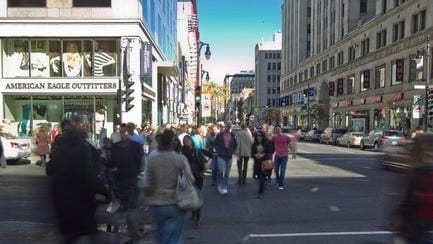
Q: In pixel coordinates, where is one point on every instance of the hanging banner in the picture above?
(146, 63)
(331, 88)
(340, 86)
(206, 105)
(399, 70)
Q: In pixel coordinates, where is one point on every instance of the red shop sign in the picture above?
(398, 96)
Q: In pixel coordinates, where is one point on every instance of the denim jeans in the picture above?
(170, 221)
(224, 167)
(280, 168)
(214, 168)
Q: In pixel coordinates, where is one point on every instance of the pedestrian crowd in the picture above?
(139, 166)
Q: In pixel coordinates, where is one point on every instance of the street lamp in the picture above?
(207, 55)
(425, 53)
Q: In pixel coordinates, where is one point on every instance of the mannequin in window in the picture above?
(101, 60)
(72, 61)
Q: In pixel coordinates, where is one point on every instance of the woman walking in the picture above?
(260, 151)
(160, 174)
(43, 145)
(196, 162)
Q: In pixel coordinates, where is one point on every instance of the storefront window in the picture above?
(57, 58)
(26, 113)
(39, 60)
(54, 51)
(380, 77)
(16, 58)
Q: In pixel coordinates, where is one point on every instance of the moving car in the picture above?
(330, 135)
(379, 137)
(350, 139)
(15, 148)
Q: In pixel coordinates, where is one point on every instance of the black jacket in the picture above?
(74, 185)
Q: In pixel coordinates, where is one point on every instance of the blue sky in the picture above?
(233, 28)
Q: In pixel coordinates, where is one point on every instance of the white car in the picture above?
(14, 148)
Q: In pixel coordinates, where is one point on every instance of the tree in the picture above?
(319, 113)
(240, 108)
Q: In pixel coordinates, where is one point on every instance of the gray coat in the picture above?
(244, 141)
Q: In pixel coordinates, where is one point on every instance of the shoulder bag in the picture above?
(267, 165)
(187, 196)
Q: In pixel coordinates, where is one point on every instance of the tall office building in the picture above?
(267, 74)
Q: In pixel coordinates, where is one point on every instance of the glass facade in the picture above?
(160, 18)
(60, 58)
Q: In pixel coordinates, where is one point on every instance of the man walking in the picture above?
(244, 141)
(225, 145)
(126, 157)
(281, 144)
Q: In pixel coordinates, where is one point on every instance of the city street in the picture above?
(332, 195)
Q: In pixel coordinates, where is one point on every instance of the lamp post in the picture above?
(207, 55)
(421, 54)
(307, 97)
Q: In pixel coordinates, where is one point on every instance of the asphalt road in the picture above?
(332, 195)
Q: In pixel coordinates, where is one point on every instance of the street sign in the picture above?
(419, 87)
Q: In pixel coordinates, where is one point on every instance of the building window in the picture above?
(278, 66)
(318, 69)
(351, 53)
(384, 6)
(380, 77)
(351, 85)
(311, 71)
(365, 46)
(331, 62)
(306, 73)
(418, 21)
(91, 3)
(266, 55)
(324, 65)
(301, 78)
(416, 69)
(269, 78)
(398, 31)
(398, 2)
(269, 66)
(340, 58)
(363, 7)
(381, 39)
(27, 3)
(274, 66)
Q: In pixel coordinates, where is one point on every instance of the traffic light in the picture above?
(127, 95)
(198, 96)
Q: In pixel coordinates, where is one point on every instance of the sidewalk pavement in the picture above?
(45, 233)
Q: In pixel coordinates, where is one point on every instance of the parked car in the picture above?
(313, 135)
(378, 137)
(15, 148)
(350, 139)
(301, 133)
(330, 135)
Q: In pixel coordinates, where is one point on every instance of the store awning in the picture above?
(168, 68)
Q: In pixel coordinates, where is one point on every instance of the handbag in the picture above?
(187, 196)
(267, 165)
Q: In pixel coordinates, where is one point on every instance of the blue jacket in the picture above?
(221, 149)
